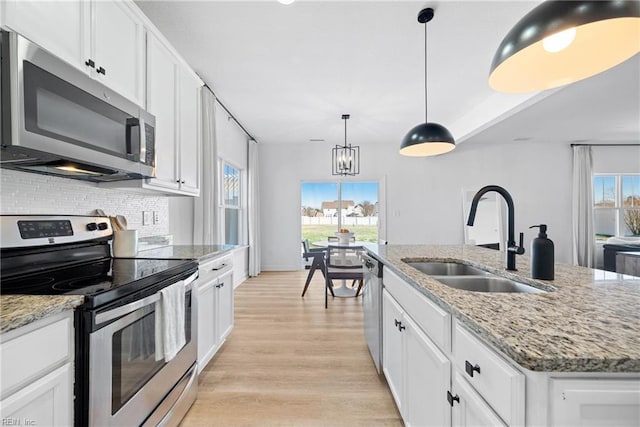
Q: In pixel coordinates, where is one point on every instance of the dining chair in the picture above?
(318, 263)
(306, 249)
(342, 264)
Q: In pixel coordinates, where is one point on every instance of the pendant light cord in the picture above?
(426, 103)
(345, 131)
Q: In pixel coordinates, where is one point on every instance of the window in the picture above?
(231, 205)
(328, 206)
(616, 205)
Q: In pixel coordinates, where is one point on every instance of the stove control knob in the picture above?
(92, 226)
(102, 226)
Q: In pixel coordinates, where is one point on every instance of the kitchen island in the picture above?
(550, 358)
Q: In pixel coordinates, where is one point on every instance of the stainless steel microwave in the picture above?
(58, 120)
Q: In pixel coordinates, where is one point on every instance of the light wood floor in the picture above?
(290, 362)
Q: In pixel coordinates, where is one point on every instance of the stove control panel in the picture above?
(41, 228)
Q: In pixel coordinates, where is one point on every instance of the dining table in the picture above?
(343, 291)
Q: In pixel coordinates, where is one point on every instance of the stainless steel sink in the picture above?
(446, 269)
(487, 284)
(469, 278)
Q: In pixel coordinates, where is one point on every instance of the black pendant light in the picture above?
(345, 159)
(427, 139)
(561, 42)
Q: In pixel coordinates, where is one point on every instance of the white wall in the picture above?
(424, 195)
(29, 193)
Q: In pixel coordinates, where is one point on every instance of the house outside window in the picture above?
(616, 205)
(231, 204)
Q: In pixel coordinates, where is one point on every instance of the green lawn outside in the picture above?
(315, 233)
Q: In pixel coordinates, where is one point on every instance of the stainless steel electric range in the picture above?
(119, 378)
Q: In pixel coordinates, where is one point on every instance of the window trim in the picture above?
(222, 205)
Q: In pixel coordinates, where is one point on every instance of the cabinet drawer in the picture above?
(213, 268)
(433, 320)
(500, 384)
(43, 347)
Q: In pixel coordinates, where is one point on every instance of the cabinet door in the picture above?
(189, 132)
(162, 75)
(207, 341)
(580, 402)
(225, 306)
(392, 351)
(45, 402)
(428, 379)
(471, 409)
(62, 28)
(118, 48)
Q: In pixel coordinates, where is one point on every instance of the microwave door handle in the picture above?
(133, 138)
(136, 305)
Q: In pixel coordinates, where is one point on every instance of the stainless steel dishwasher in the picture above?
(372, 302)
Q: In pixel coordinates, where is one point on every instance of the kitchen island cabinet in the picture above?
(564, 357)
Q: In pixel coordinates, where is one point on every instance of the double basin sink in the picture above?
(469, 278)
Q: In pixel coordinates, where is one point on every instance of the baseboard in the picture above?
(275, 267)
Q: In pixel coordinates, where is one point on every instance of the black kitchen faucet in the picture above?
(512, 249)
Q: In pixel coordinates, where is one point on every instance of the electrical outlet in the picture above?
(156, 217)
(147, 217)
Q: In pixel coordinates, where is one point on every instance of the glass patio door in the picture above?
(327, 207)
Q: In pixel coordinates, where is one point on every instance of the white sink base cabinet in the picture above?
(425, 364)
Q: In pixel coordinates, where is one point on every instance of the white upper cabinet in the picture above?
(162, 95)
(190, 132)
(173, 96)
(59, 27)
(102, 38)
(118, 48)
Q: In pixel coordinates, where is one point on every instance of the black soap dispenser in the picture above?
(542, 255)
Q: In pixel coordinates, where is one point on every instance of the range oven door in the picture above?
(126, 382)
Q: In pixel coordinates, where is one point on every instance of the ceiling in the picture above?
(288, 73)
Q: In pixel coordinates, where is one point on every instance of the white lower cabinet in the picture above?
(595, 402)
(428, 372)
(215, 308)
(441, 373)
(37, 373)
(416, 371)
(45, 402)
(469, 409)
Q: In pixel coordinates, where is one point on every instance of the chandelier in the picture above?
(345, 158)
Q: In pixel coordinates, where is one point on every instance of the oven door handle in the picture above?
(136, 305)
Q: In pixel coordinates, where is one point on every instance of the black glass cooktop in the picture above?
(100, 281)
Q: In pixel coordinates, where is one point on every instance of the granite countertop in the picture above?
(199, 252)
(20, 310)
(588, 322)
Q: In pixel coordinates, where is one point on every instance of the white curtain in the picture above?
(583, 235)
(253, 209)
(205, 230)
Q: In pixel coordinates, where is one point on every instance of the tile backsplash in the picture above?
(27, 193)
